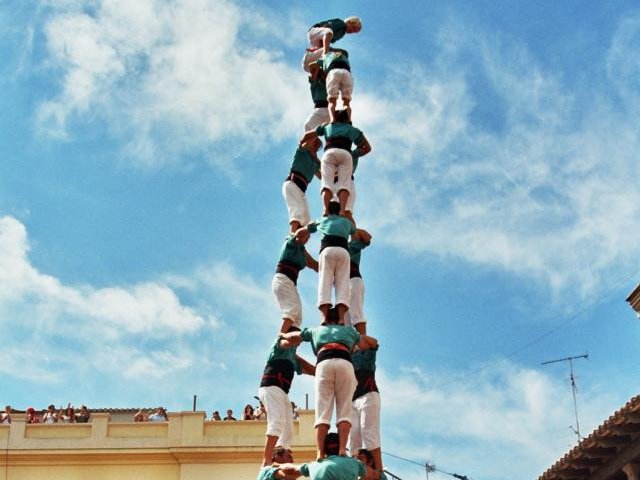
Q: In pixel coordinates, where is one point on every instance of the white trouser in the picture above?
(351, 201)
(311, 57)
(315, 35)
(336, 167)
(334, 380)
(288, 298)
(319, 116)
(339, 82)
(356, 311)
(365, 423)
(279, 414)
(333, 269)
(296, 201)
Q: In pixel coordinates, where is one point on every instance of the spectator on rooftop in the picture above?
(140, 416)
(215, 416)
(83, 415)
(67, 417)
(6, 416)
(32, 415)
(248, 412)
(229, 416)
(160, 415)
(50, 416)
(260, 412)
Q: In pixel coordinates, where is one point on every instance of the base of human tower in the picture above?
(187, 447)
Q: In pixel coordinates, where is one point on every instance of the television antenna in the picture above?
(574, 388)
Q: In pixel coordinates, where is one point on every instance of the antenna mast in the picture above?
(574, 388)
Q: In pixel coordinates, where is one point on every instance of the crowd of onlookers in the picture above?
(249, 413)
(72, 415)
(50, 415)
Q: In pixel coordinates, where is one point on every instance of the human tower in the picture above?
(345, 355)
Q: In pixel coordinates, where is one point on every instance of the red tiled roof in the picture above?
(606, 451)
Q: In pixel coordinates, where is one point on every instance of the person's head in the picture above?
(7, 408)
(31, 411)
(229, 413)
(332, 316)
(248, 408)
(354, 25)
(83, 409)
(365, 457)
(51, 408)
(334, 208)
(332, 444)
(343, 116)
(282, 455)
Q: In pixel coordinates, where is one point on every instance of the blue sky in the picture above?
(143, 145)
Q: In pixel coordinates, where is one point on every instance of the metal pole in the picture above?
(306, 401)
(195, 401)
(574, 388)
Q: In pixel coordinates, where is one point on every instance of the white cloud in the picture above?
(545, 187)
(465, 424)
(60, 322)
(205, 72)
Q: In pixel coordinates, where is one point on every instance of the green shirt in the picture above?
(355, 157)
(333, 225)
(337, 26)
(305, 164)
(355, 247)
(330, 57)
(334, 467)
(332, 333)
(344, 130)
(318, 87)
(267, 473)
(364, 359)
(279, 353)
(293, 252)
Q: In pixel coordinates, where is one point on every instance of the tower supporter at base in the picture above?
(281, 455)
(334, 466)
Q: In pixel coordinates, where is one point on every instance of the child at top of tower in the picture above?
(326, 32)
(339, 82)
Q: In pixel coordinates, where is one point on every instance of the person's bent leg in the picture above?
(321, 433)
(343, 433)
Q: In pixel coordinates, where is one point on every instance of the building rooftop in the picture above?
(606, 451)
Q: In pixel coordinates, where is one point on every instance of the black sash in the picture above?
(321, 103)
(338, 142)
(354, 270)
(333, 241)
(278, 373)
(299, 180)
(327, 354)
(339, 64)
(366, 383)
(289, 269)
